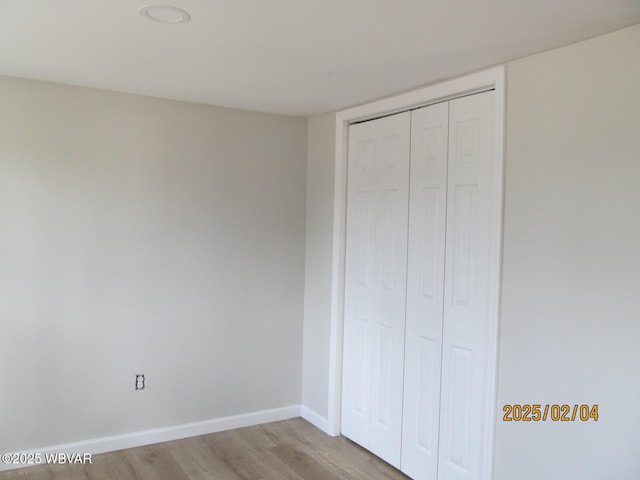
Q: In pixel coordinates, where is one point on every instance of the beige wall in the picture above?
(144, 236)
(319, 231)
(570, 327)
(570, 330)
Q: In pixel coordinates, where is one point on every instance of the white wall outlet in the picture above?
(140, 382)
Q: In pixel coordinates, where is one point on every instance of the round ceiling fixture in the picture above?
(165, 14)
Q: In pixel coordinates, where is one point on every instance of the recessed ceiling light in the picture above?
(165, 14)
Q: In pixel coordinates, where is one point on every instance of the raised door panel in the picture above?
(375, 284)
(471, 207)
(425, 290)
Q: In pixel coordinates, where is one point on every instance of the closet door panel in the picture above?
(375, 284)
(359, 305)
(470, 209)
(425, 290)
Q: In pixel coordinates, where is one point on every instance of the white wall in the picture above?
(318, 258)
(570, 327)
(144, 236)
(571, 283)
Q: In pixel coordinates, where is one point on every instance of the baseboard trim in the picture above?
(315, 419)
(167, 434)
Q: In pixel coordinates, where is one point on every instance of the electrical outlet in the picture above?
(139, 382)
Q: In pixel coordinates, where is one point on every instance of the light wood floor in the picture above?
(287, 450)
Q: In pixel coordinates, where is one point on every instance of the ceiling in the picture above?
(296, 57)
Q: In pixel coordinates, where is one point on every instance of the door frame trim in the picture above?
(494, 78)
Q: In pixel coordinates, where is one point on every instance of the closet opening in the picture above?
(416, 276)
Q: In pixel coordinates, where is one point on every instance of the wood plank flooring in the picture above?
(287, 450)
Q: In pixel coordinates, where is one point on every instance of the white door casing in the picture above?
(492, 79)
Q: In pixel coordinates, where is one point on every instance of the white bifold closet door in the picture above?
(452, 204)
(422, 209)
(425, 290)
(375, 284)
(473, 218)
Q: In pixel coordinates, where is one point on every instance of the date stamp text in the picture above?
(555, 413)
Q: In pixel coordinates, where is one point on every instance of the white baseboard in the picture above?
(159, 435)
(315, 419)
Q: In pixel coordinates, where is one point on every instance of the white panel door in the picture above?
(375, 284)
(425, 290)
(471, 214)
